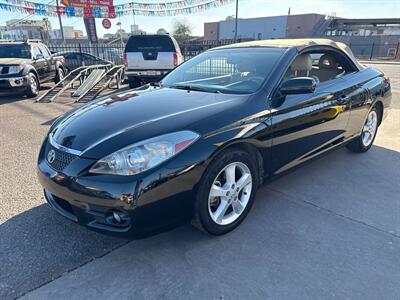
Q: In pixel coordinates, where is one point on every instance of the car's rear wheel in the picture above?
(226, 192)
(60, 75)
(32, 90)
(364, 142)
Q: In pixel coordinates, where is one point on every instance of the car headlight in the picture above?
(144, 155)
(14, 69)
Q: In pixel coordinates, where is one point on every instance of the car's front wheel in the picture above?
(32, 90)
(364, 142)
(226, 192)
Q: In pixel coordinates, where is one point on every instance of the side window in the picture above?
(320, 65)
(35, 51)
(70, 56)
(45, 51)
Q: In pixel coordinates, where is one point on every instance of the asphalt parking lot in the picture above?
(329, 230)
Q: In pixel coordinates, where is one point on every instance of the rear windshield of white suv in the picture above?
(159, 43)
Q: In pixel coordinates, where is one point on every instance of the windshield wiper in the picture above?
(197, 88)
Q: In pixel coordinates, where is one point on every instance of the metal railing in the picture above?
(114, 53)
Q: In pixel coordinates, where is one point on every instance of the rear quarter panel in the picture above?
(374, 84)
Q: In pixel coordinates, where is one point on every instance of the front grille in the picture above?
(5, 84)
(4, 70)
(62, 159)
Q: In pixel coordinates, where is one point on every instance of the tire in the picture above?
(60, 75)
(368, 133)
(206, 207)
(134, 83)
(32, 90)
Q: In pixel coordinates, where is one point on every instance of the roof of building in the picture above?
(299, 44)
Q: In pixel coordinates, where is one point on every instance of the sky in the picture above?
(247, 9)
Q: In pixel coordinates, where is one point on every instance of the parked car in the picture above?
(148, 57)
(76, 59)
(24, 66)
(197, 145)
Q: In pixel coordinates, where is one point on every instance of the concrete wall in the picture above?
(255, 28)
(211, 31)
(300, 26)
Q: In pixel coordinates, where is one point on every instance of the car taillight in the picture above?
(176, 59)
(125, 60)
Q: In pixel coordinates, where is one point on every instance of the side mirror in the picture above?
(298, 85)
(39, 56)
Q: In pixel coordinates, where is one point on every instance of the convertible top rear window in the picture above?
(236, 70)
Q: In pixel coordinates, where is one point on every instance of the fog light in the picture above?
(117, 217)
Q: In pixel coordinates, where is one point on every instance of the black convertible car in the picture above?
(196, 145)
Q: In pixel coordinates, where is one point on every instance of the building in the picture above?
(288, 26)
(26, 29)
(69, 33)
(136, 30)
(366, 37)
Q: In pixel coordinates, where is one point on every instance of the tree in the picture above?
(181, 29)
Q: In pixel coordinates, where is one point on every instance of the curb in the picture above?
(380, 62)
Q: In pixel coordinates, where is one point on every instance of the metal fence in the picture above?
(114, 53)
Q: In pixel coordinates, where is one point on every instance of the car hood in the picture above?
(13, 61)
(107, 125)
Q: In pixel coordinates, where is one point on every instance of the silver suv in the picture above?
(148, 57)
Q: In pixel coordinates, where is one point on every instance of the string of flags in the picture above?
(175, 8)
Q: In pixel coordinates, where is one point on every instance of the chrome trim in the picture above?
(62, 148)
(12, 80)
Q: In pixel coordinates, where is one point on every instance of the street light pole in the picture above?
(61, 25)
(236, 19)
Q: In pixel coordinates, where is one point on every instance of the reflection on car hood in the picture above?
(137, 115)
(13, 61)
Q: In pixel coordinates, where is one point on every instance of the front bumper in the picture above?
(13, 82)
(146, 205)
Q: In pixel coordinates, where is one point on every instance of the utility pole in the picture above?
(236, 19)
(61, 25)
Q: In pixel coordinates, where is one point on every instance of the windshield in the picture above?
(15, 51)
(235, 70)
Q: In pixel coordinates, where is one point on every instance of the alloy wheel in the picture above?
(60, 74)
(369, 129)
(33, 83)
(230, 193)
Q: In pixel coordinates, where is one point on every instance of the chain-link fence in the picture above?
(114, 53)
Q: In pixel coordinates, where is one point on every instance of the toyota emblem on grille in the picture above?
(51, 156)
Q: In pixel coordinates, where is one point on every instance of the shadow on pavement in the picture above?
(288, 246)
(38, 245)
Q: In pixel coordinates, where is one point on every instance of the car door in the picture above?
(39, 63)
(51, 65)
(73, 60)
(90, 60)
(305, 125)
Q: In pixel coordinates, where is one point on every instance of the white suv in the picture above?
(148, 57)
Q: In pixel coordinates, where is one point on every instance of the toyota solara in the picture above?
(196, 145)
